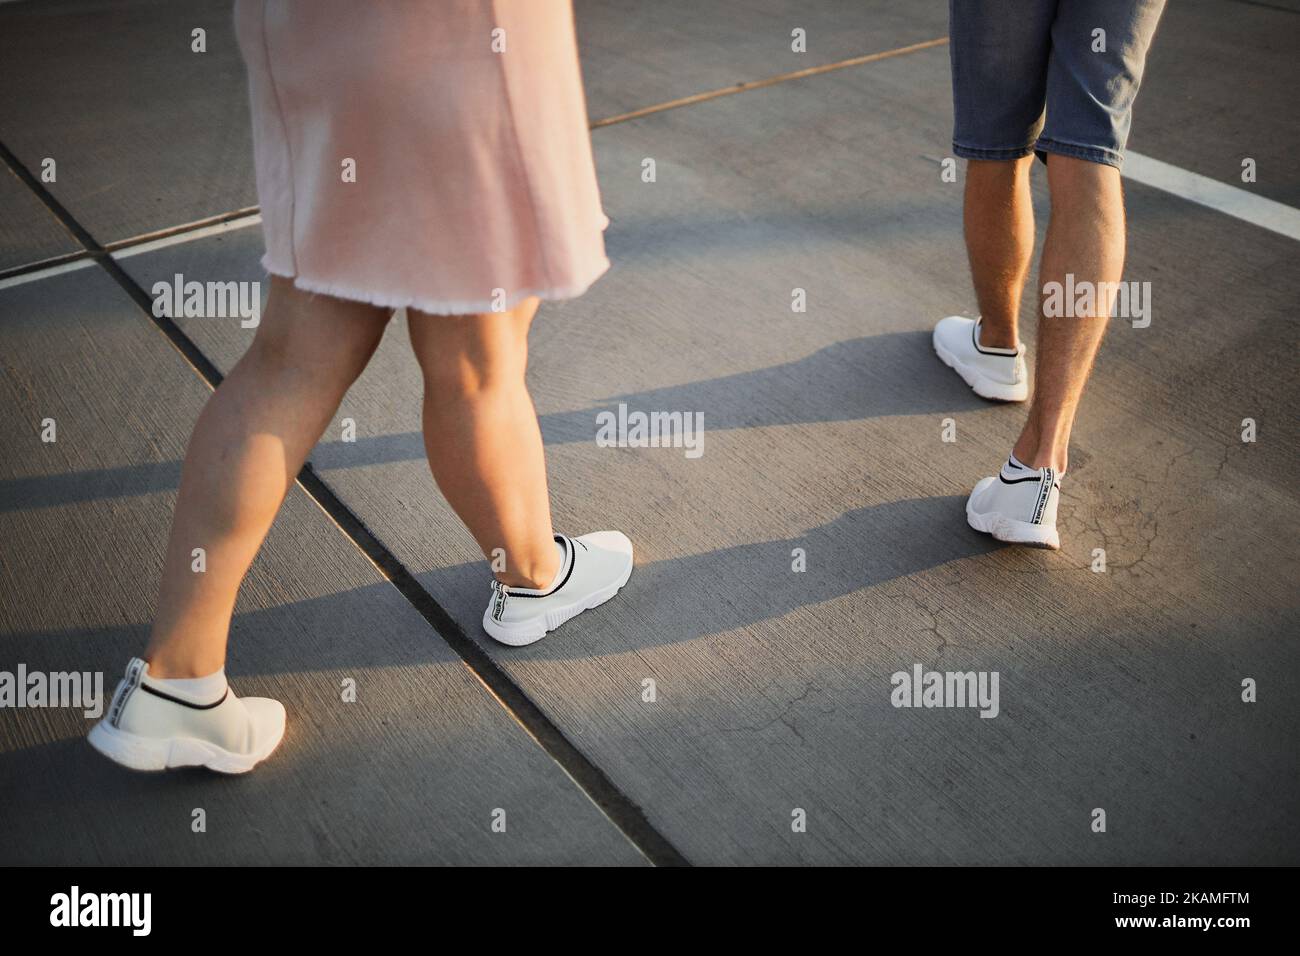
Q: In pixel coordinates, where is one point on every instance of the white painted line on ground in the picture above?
(46, 273)
(1231, 200)
(216, 229)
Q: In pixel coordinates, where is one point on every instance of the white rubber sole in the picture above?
(531, 631)
(158, 753)
(982, 385)
(1009, 529)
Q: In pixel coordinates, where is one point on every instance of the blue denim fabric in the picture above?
(1026, 77)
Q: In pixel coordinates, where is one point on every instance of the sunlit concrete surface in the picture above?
(1119, 690)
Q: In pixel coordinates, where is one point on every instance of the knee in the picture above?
(319, 339)
(1081, 183)
(335, 364)
(999, 170)
(997, 185)
(467, 359)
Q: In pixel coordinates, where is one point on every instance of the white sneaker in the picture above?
(147, 728)
(1018, 505)
(998, 374)
(592, 570)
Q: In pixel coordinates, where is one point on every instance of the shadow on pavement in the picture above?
(870, 377)
(685, 598)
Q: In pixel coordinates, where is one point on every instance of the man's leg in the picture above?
(998, 214)
(1085, 238)
(1099, 51)
(1000, 50)
(1098, 55)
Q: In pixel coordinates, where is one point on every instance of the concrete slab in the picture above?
(1195, 109)
(412, 772)
(28, 232)
(138, 85)
(1119, 690)
(145, 133)
(638, 54)
(1217, 91)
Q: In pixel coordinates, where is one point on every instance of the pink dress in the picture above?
(423, 153)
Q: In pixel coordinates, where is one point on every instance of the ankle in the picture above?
(1041, 455)
(997, 335)
(164, 666)
(535, 573)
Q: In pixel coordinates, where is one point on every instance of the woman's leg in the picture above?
(248, 446)
(482, 437)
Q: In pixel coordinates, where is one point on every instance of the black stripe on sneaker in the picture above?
(975, 341)
(1016, 481)
(185, 703)
(570, 556)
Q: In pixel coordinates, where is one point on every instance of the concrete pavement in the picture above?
(823, 436)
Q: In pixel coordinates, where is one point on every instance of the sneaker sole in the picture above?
(1012, 531)
(154, 753)
(982, 385)
(532, 631)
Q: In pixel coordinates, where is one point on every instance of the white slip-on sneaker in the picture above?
(148, 728)
(592, 570)
(997, 374)
(1017, 505)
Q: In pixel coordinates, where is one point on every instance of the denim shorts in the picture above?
(1047, 76)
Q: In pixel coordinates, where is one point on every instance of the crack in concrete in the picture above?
(784, 717)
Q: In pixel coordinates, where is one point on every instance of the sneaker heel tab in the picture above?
(499, 594)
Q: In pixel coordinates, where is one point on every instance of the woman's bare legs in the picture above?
(248, 445)
(482, 437)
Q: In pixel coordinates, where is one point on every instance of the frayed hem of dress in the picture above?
(436, 307)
